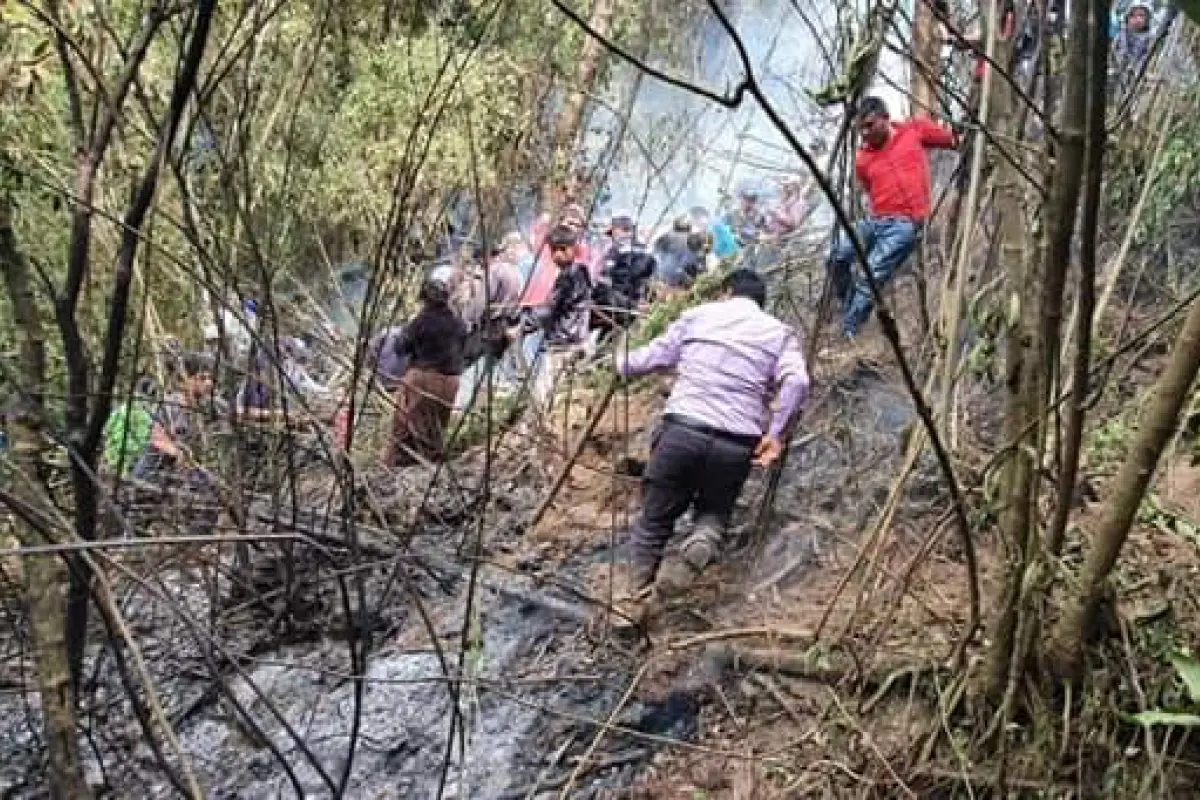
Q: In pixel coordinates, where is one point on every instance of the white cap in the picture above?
(443, 273)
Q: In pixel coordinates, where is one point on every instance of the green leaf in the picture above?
(1192, 9)
(1189, 670)
(1178, 719)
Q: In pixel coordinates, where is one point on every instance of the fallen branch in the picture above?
(741, 633)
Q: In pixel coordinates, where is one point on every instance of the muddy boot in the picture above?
(698, 551)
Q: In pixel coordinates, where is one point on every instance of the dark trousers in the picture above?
(688, 466)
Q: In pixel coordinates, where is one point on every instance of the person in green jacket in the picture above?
(128, 428)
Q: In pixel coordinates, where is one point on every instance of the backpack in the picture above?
(127, 435)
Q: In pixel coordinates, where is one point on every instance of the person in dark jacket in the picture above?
(628, 268)
(565, 320)
(677, 262)
(433, 344)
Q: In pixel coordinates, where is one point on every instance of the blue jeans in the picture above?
(889, 241)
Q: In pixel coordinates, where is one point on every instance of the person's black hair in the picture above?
(562, 236)
(747, 283)
(870, 106)
(434, 293)
(194, 364)
(146, 386)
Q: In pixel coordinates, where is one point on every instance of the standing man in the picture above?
(677, 264)
(731, 360)
(627, 269)
(893, 169)
(565, 319)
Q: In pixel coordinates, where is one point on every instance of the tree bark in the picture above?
(1158, 426)
(1039, 355)
(45, 576)
(570, 119)
(926, 55)
(1096, 142)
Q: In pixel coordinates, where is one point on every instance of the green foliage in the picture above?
(662, 314)
(400, 102)
(1175, 176)
(1187, 669)
(1108, 443)
(1177, 719)
(1191, 8)
(1189, 672)
(1152, 512)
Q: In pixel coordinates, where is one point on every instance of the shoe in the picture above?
(698, 552)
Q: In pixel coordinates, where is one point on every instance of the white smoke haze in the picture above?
(681, 150)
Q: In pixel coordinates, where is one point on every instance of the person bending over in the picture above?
(731, 359)
(433, 344)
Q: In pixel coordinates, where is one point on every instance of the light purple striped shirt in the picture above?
(731, 359)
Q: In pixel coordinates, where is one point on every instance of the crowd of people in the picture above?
(740, 374)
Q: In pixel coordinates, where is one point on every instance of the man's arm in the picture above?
(791, 375)
(661, 354)
(933, 135)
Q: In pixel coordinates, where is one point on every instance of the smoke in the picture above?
(679, 150)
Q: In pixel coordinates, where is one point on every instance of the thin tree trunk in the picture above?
(1155, 431)
(86, 429)
(1018, 471)
(926, 55)
(570, 120)
(1096, 136)
(1039, 363)
(956, 279)
(45, 576)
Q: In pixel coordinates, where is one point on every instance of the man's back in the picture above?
(675, 263)
(729, 353)
(628, 267)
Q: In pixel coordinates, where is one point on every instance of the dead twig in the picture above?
(741, 633)
(633, 684)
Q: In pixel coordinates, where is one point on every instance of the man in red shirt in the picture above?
(893, 169)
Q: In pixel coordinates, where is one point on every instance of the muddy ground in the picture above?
(489, 663)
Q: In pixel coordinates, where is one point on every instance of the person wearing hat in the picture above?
(433, 344)
(748, 221)
(627, 269)
(1131, 47)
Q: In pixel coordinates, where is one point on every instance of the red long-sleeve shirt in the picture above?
(896, 176)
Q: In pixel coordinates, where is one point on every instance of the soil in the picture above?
(556, 698)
